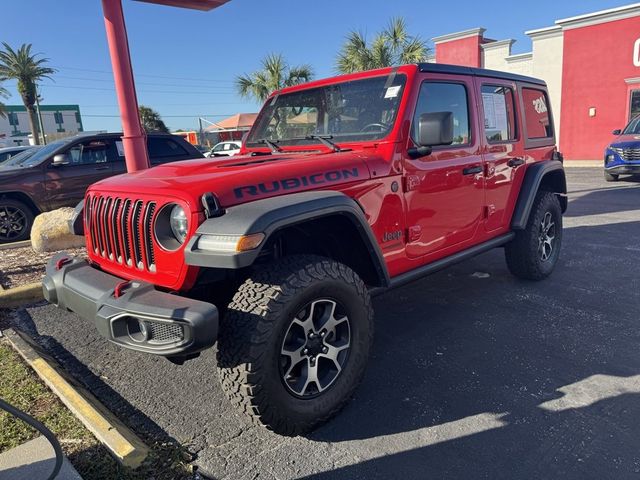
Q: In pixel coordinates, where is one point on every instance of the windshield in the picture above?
(34, 156)
(633, 127)
(359, 110)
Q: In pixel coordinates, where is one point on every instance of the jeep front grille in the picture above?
(628, 154)
(121, 230)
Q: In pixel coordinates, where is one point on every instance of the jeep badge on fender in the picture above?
(274, 254)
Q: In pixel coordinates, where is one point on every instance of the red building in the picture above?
(590, 62)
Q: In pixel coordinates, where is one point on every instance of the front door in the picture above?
(504, 153)
(87, 162)
(445, 190)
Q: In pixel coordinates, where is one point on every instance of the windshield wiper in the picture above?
(325, 140)
(271, 144)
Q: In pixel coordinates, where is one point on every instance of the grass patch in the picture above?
(21, 387)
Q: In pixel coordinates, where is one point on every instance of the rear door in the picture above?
(89, 161)
(503, 148)
(445, 190)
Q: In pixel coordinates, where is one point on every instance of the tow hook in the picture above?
(119, 290)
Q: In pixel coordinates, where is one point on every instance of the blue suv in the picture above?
(623, 155)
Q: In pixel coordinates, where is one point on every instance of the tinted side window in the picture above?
(499, 113)
(91, 152)
(445, 97)
(536, 113)
(164, 147)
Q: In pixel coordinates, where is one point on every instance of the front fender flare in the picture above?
(272, 214)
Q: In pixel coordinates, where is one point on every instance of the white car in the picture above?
(224, 149)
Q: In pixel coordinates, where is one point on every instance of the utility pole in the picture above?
(201, 139)
(40, 124)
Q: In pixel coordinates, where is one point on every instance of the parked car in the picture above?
(224, 149)
(622, 156)
(274, 254)
(8, 152)
(58, 174)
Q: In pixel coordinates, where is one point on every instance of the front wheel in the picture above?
(534, 252)
(295, 341)
(16, 220)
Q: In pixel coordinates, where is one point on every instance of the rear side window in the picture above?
(445, 97)
(164, 147)
(536, 113)
(499, 113)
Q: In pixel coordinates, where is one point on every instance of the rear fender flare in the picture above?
(549, 174)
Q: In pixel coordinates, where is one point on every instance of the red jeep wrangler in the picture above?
(344, 188)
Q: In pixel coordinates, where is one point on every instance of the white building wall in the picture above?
(548, 49)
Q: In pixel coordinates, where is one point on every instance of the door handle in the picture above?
(472, 170)
(515, 162)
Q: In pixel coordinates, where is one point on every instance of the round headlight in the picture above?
(179, 223)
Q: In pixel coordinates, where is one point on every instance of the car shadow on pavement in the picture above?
(606, 200)
(499, 378)
(77, 372)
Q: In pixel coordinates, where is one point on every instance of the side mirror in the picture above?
(617, 131)
(61, 159)
(435, 129)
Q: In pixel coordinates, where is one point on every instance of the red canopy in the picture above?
(195, 4)
(239, 121)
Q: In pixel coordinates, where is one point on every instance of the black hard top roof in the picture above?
(479, 72)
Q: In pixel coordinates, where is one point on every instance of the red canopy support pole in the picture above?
(134, 138)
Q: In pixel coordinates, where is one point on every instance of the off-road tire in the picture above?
(523, 252)
(252, 332)
(25, 214)
(611, 177)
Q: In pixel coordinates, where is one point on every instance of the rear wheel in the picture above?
(610, 177)
(16, 220)
(295, 342)
(534, 252)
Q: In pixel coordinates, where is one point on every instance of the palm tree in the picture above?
(392, 46)
(274, 75)
(151, 120)
(27, 69)
(3, 94)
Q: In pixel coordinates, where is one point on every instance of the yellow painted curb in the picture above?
(123, 444)
(14, 297)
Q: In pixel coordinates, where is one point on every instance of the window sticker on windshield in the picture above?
(392, 92)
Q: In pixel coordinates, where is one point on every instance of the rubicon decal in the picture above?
(293, 183)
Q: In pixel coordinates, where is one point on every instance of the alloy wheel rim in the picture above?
(13, 221)
(315, 348)
(546, 237)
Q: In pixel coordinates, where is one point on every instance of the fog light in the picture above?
(610, 158)
(137, 330)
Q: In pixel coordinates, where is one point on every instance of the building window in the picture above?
(634, 111)
(536, 113)
(499, 113)
(13, 119)
(445, 97)
(78, 120)
(58, 118)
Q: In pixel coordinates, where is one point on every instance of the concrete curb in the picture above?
(9, 246)
(583, 163)
(22, 295)
(124, 445)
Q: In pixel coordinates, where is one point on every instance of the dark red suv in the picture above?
(344, 188)
(58, 174)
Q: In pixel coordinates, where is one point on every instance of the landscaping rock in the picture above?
(50, 232)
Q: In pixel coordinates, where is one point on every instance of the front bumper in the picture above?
(629, 168)
(133, 314)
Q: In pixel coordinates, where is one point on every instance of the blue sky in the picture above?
(185, 61)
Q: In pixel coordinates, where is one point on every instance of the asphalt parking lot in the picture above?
(474, 374)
